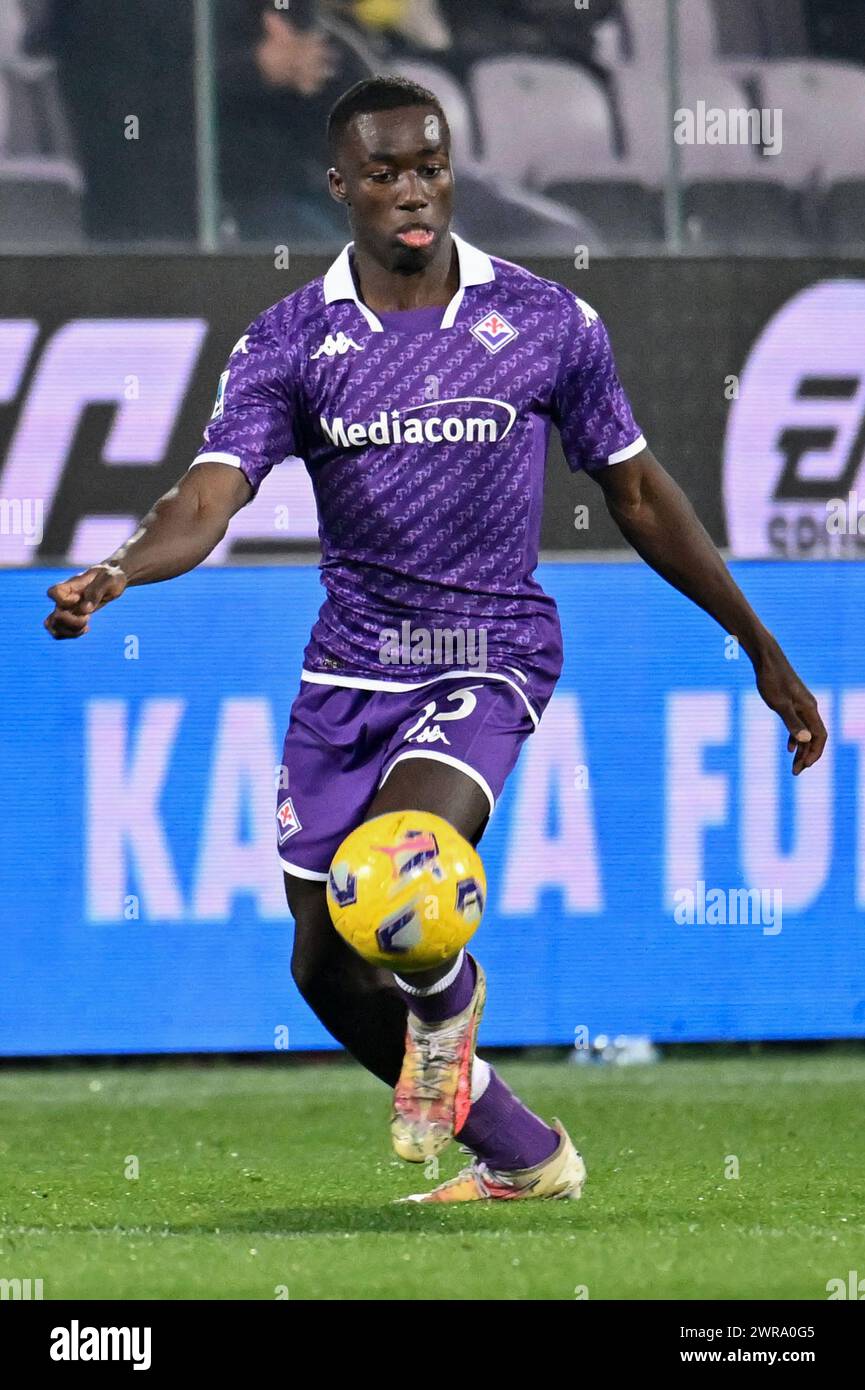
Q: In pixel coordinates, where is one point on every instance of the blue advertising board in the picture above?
(653, 867)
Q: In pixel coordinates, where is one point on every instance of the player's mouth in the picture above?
(417, 237)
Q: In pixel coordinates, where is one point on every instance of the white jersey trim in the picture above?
(629, 450)
(444, 758)
(298, 872)
(476, 268)
(216, 457)
(400, 687)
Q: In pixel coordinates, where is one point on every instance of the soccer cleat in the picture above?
(432, 1098)
(562, 1175)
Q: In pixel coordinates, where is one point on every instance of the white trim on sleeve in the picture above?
(629, 450)
(216, 457)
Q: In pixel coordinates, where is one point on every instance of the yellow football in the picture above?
(406, 890)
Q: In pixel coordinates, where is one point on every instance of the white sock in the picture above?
(481, 1073)
(439, 986)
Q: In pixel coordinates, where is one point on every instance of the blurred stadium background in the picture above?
(162, 181)
(129, 271)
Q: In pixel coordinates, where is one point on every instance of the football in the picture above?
(406, 890)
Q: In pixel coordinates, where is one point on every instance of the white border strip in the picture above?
(629, 450)
(400, 687)
(453, 762)
(216, 458)
(298, 872)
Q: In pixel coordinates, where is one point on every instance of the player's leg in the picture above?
(331, 766)
(442, 1090)
(358, 1004)
(431, 785)
(432, 1096)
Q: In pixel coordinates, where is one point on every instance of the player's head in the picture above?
(390, 149)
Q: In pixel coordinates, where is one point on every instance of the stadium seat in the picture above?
(736, 31)
(493, 210)
(548, 125)
(784, 24)
(732, 194)
(646, 22)
(453, 100)
(40, 183)
(823, 106)
(12, 26)
(842, 215)
(735, 197)
(714, 31)
(542, 120)
(40, 204)
(629, 216)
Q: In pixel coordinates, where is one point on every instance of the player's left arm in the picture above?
(654, 515)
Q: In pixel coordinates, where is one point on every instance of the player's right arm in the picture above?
(250, 431)
(179, 531)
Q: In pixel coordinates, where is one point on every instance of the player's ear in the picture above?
(336, 184)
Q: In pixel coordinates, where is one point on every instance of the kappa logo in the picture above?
(431, 734)
(589, 314)
(335, 347)
(219, 403)
(494, 332)
(287, 821)
(427, 729)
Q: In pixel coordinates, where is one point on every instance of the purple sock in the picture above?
(450, 1001)
(503, 1132)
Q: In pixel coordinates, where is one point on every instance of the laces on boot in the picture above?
(437, 1051)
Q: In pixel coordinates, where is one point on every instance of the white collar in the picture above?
(475, 267)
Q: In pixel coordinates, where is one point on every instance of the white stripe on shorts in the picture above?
(454, 762)
(298, 872)
(369, 683)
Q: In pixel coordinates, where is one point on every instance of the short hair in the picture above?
(378, 94)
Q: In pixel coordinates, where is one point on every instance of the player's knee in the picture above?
(313, 956)
(305, 972)
(313, 961)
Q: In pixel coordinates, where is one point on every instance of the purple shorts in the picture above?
(342, 743)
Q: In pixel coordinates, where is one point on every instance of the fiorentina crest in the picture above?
(287, 821)
(494, 332)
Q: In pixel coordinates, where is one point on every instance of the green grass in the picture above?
(254, 1177)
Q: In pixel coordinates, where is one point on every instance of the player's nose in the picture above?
(412, 194)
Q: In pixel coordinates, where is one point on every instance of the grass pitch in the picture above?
(259, 1182)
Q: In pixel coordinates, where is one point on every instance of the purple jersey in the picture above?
(425, 435)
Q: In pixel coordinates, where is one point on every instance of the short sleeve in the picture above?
(589, 405)
(251, 426)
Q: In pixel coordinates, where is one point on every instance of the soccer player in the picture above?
(418, 381)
